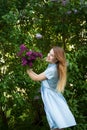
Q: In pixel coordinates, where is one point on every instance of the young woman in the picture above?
(53, 82)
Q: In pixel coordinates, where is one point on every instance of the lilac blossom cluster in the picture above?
(27, 56)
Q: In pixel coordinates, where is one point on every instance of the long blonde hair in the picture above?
(62, 67)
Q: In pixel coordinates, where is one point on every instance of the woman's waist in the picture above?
(46, 84)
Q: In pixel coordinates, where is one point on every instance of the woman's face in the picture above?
(51, 57)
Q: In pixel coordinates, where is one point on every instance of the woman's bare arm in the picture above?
(36, 77)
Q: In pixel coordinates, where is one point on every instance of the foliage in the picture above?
(59, 23)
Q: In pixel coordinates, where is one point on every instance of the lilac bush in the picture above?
(28, 57)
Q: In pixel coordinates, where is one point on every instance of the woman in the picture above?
(53, 82)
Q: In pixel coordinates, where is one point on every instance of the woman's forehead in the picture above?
(51, 51)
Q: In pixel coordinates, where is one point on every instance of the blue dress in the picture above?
(57, 111)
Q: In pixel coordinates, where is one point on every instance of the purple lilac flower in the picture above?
(37, 54)
(40, 55)
(29, 53)
(64, 2)
(24, 61)
(32, 58)
(28, 57)
(30, 64)
(23, 47)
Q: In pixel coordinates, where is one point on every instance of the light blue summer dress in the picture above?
(57, 111)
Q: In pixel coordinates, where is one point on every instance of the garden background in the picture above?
(60, 22)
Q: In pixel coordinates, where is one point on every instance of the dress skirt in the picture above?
(57, 111)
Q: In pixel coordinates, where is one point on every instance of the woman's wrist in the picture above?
(29, 70)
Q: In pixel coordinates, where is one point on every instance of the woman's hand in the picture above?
(29, 71)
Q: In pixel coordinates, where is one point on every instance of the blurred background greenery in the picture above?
(60, 23)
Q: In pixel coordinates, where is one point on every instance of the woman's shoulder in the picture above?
(52, 68)
(51, 71)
